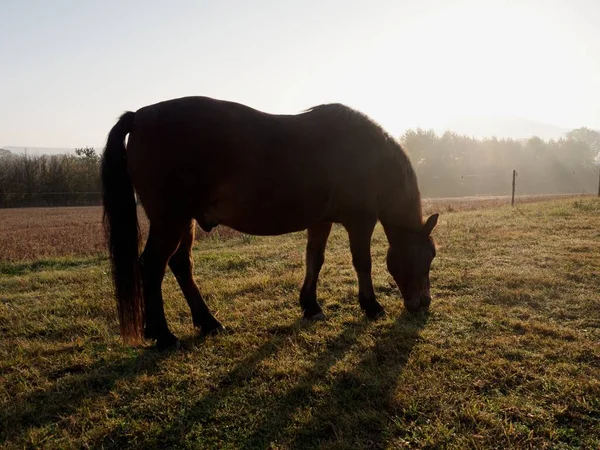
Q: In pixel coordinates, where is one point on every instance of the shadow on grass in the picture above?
(71, 386)
(353, 408)
(74, 384)
(348, 405)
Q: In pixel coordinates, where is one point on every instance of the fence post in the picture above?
(598, 181)
(512, 202)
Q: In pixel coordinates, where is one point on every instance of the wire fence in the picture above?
(467, 185)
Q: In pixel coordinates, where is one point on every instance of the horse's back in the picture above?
(259, 172)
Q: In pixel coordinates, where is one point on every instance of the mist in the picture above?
(453, 165)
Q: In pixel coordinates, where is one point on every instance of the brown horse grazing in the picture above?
(218, 162)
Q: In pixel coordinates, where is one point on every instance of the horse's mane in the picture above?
(390, 148)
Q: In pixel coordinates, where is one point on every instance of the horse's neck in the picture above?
(399, 191)
(402, 208)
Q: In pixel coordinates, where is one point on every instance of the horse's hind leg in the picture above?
(315, 256)
(162, 243)
(182, 265)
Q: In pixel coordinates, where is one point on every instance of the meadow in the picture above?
(507, 357)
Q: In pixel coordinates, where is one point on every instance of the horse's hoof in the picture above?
(169, 342)
(413, 307)
(149, 334)
(375, 315)
(212, 331)
(315, 317)
(418, 311)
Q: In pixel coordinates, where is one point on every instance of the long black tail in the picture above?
(123, 235)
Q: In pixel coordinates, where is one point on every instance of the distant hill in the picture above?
(503, 127)
(38, 151)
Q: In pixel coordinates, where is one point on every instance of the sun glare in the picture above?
(477, 61)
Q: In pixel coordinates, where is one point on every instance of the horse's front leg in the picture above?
(360, 246)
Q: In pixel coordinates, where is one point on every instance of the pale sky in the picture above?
(68, 69)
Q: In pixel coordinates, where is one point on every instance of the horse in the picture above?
(215, 162)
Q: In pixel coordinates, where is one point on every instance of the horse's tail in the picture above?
(122, 229)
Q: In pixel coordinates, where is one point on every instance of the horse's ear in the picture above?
(430, 224)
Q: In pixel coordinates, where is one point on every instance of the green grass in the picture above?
(509, 356)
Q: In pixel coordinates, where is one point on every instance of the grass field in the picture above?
(508, 357)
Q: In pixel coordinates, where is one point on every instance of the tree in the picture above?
(589, 137)
(87, 153)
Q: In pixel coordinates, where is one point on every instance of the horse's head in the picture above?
(409, 260)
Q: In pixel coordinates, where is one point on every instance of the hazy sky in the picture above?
(69, 68)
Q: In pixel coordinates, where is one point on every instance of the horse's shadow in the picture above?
(350, 409)
(73, 385)
(354, 406)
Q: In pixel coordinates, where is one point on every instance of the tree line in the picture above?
(50, 180)
(451, 165)
(448, 165)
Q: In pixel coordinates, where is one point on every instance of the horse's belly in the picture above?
(265, 228)
(266, 219)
